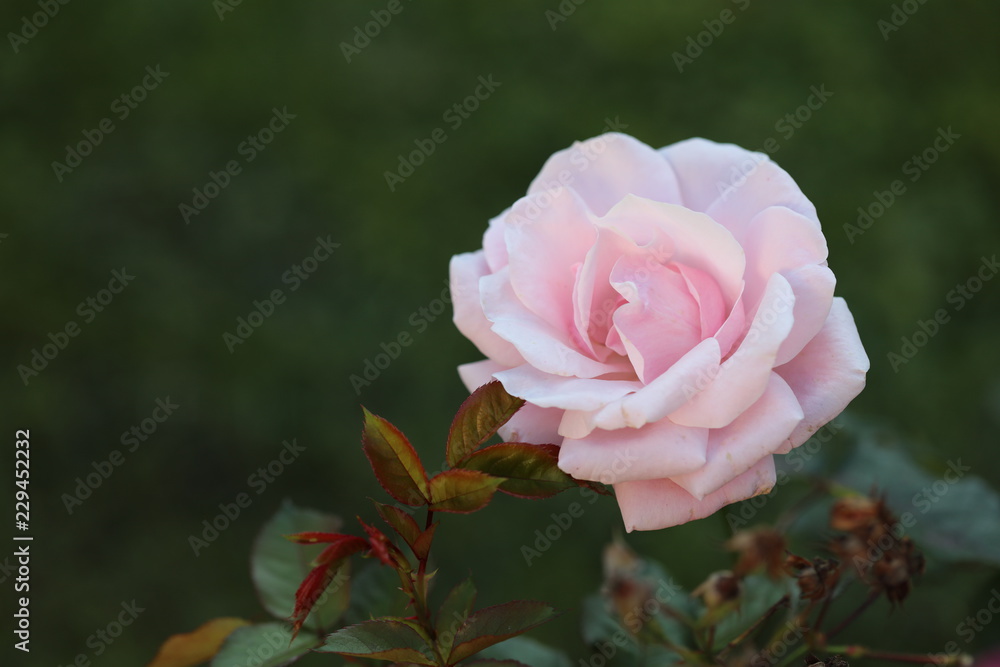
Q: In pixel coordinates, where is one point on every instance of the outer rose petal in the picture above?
(743, 377)
(659, 503)
(535, 425)
(466, 270)
(732, 183)
(554, 391)
(605, 169)
(546, 250)
(753, 435)
(661, 449)
(813, 286)
(827, 374)
(779, 240)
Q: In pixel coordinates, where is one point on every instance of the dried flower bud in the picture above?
(817, 578)
(853, 514)
(759, 547)
(720, 587)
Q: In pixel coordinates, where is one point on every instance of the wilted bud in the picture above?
(854, 514)
(817, 578)
(760, 547)
(720, 587)
(629, 594)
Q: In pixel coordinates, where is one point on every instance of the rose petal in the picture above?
(478, 373)
(813, 286)
(554, 391)
(546, 252)
(535, 425)
(659, 503)
(604, 169)
(696, 240)
(732, 183)
(661, 449)
(466, 270)
(593, 296)
(779, 240)
(743, 377)
(666, 393)
(661, 320)
(827, 374)
(542, 345)
(494, 244)
(756, 433)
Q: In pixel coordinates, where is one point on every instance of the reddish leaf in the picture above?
(381, 547)
(494, 624)
(478, 418)
(396, 464)
(400, 521)
(530, 471)
(380, 639)
(462, 491)
(320, 577)
(423, 544)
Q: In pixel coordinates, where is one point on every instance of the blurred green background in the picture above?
(323, 175)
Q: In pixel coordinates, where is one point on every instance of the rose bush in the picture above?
(668, 315)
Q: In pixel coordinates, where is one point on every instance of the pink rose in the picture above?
(669, 318)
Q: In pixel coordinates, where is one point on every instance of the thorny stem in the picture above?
(419, 597)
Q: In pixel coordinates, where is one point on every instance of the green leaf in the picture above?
(529, 471)
(951, 514)
(494, 624)
(395, 462)
(374, 592)
(264, 645)
(495, 663)
(198, 646)
(478, 418)
(279, 566)
(526, 651)
(453, 614)
(462, 491)
(380, 639)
